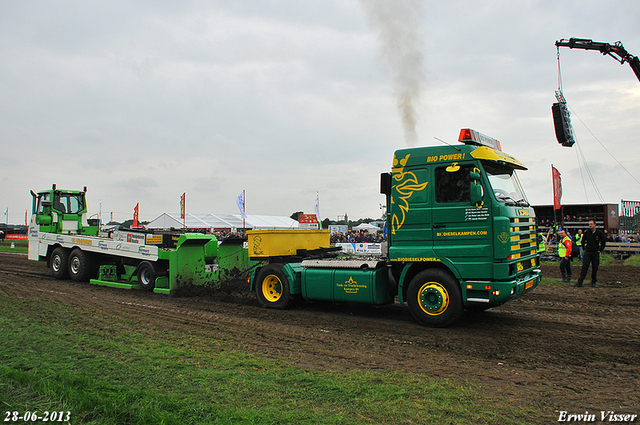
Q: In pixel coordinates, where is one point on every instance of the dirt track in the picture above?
(557, 349)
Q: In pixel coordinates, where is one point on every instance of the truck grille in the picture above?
(523, 240)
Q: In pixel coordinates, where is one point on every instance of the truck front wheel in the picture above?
(59, 262)
(434, 298)
(272, 287)
(82, 265)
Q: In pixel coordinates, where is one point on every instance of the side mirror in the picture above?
(476, 188)
(385, 183)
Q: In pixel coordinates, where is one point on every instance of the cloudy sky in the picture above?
(141, 101)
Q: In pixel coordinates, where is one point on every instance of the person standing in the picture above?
(593, 241)
(564, 251)
(541, 243)
(579, 243)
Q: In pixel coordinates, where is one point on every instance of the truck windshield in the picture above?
(505, 184)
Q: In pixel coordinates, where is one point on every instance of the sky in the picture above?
(142, 101)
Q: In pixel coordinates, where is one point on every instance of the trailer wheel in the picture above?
(146, 276)
(82, 265)
(59, 263)
(434, 298)
(272, 287)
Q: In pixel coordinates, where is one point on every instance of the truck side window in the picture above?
(453, 184)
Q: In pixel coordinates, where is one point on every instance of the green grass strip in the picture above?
(107, 370)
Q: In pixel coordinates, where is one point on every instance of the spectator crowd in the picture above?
(359, 237)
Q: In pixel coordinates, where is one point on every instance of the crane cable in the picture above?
(559, 71)
(603, 147)
(560, 97)
(579, 152)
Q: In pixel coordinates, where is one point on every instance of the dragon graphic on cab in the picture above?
(405, 184)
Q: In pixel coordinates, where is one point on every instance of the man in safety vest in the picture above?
(541, 243)
(579, 243)
(564, 252)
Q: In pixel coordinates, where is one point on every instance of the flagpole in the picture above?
(317, 210)
(244, 225)
(553, 186)
(183, 209)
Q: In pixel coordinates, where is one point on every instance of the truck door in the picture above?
(410, 232)
(461, 230)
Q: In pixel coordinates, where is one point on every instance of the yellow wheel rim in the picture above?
(433, 298)
(272, 288)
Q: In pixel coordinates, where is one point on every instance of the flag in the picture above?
(240, 202)
(6, 212)
(557, 187)
(182, 206)
(317, 210)
(135, 216)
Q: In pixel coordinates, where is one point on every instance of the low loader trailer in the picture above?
(460, 235)
(73, 246)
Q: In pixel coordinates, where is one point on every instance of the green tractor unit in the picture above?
(72, 244)
(460, 235)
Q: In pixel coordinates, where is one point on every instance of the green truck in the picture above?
(72, 244)
(460, 235)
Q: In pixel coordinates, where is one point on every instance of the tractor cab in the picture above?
(62, 212)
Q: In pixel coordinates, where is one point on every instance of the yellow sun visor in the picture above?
(490, 154)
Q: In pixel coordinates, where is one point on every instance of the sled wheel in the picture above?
(60, 263)
(146, 276)
(272, 287)
(434, 298)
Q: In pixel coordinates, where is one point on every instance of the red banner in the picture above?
(182, 205)
(557, 187)
(135, 216)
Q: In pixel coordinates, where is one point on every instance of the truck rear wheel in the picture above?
(82, 265)
(272, 287)
(146, 276)
(59, 262)
(434, 298)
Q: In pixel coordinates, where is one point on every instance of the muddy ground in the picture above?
(557, 349)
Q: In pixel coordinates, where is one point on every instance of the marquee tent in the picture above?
(366, 226)
(221, 221)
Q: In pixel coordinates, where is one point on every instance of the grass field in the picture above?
(20, 246)
(105, 370)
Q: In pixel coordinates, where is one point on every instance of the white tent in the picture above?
(366, 226)
(221, 221)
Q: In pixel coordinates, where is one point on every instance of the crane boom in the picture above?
(616, 51)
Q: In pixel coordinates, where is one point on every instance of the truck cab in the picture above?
(460, 232)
